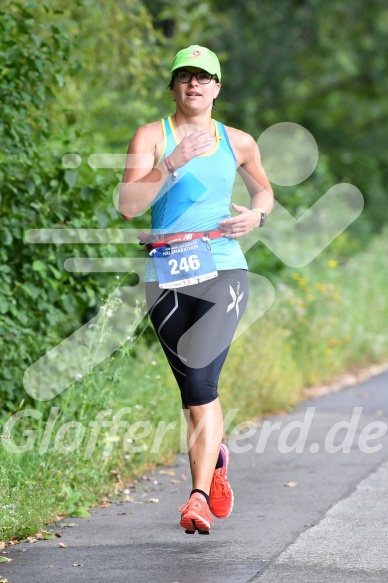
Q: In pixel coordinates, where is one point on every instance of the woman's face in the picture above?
(194, 95)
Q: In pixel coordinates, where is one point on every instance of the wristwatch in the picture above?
(263, 216)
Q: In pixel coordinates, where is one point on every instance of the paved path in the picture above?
(332, 526)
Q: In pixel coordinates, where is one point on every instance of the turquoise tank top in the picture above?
(200, 198)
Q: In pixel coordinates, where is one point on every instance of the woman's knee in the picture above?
(198, 389)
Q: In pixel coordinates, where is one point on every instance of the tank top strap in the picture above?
(168, 126)
(169, 136)
(167, 133)
(224, 141)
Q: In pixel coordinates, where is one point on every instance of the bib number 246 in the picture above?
(190, 263)
(184, 263)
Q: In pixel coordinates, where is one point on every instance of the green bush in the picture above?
(40, 303)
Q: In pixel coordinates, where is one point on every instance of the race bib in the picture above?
(184, 264)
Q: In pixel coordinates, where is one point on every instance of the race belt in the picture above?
(163, 239)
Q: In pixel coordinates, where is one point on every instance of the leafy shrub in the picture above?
(40, 303)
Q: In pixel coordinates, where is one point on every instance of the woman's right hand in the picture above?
(195, 144)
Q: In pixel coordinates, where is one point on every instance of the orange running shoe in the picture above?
(221, 494)
(196, 515)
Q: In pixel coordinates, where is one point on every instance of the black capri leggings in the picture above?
(195, 326)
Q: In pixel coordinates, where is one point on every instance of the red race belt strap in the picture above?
(170, 238)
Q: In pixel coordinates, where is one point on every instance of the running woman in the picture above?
(184, 167)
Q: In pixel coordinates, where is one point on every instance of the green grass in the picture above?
(326, 318)
(38, 485)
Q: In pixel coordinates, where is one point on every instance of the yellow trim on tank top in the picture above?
(164, 142)
(218, 137)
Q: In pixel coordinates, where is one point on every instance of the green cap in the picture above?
(196, 56)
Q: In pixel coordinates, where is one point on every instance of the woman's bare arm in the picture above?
(256, 181)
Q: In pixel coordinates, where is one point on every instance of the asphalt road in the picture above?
(313, 515)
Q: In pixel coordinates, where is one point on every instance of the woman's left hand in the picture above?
(241, 224)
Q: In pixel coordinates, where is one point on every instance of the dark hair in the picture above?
(172, 81)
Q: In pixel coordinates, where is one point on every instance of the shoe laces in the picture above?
(220, 483)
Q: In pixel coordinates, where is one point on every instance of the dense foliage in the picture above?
(39, 302)
(321, 65)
